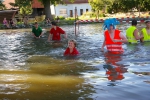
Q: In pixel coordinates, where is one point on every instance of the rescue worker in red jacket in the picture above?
(113, 38)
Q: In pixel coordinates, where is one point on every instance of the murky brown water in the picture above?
(33, 69)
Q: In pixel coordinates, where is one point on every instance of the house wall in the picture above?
(69, 7)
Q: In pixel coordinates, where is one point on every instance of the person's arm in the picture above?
(33, 33)
(123, 39)
(41, 32)
(142, 39)
(104, 43)
(65, 35)
(136, 35)
(49, 38)
(63, 32)
(50, 35)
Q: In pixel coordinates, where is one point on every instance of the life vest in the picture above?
(146, 35)
(115, 73)
(113, 47)
(115, 77)
(129, 34)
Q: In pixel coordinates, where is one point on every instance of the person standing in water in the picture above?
(132, 33)
(113, 38)
(5, 23)
(71, 49)
(37, 31)
(145, 32)
(55, 33)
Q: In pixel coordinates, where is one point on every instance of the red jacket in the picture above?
(113, 47)
(56, 33)
(74, 52)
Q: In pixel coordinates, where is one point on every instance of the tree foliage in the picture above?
(21, 3)
(121, 5)
(2, 6)
(100, 5)
(129, 5)
(24, 6)
(26, 10)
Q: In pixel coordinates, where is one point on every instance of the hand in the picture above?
(141, 37)
(37, 37)
(102, 50)
(65, 37)
(48, 40)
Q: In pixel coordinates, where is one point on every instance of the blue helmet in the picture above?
(109, 22)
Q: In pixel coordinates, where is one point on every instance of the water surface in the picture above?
(34, 69)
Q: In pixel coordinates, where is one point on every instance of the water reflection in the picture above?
(44, 79)
(114, 70)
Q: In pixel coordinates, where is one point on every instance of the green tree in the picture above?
(26, 10)
(2, 6)
(99, 5)
(129, 5)
(14, 5)
(24, 7)
(21, 3)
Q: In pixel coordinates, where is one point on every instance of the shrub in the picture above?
(60, 18)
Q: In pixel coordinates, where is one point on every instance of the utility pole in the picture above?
(75, 19)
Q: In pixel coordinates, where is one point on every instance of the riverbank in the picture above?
(122, 17)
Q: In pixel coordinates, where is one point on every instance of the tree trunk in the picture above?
(47, 9)
(139, 14)
(139, 9)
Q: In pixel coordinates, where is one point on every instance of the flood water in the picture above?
(34, 69)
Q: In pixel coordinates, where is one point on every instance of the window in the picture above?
(63, 11)
(81, 11)
(71, 13)
(87, 10)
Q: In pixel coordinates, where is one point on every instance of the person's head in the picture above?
(111, 27)
(147, 22)
(72, 43)
(36, 24)
(110, 23)
(53, 23)
(134, 22)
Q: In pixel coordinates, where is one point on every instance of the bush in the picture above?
(70, 18)
(88, 15)
(60, 18)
